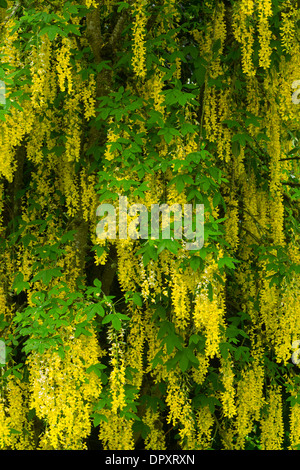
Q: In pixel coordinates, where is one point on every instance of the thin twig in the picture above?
(289, 158)
(291, 183)
(16, 7)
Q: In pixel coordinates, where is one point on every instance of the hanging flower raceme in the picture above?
(228, 396)
(155, 439)
(116, 431)
(63, 66)
(288, 30)
(264, 8)
(272, 430)
(205, 424)
(249, 401)
(180, 410)
(42, 88)
(16, 432)
(139, 32)
(62, 391)
(243, 30)
(209, 310)
(88, 93)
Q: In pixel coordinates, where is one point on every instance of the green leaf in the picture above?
(3, 4)
(216, 47)
(194, 339)
(46, 275)
(232, 123)
(195, 262)
(98, 418)
(98, 308)
(137, 299)
(51, 31)
(122, 5)
(252, 120)
(183, 363)
(116, 323)
(241, 138)
(19, 284)
(200, 73)
(191, 356)
(68, 236)
(96, 368)
(224, 350)
(236, 148)
(14, 431)
(226, 261)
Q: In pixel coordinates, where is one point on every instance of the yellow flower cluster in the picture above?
(269, 303)
(73, 126)
(200, 371)
(16, 431)
(294, 417)
(63, 66)
(243, 31)
(158, 373)
(151, 282)
(208, 312)
(289, 71)
(116, 432)
(228, 396)
(272, 430)
(117, 375)
(180, 300)
(205, 423)
(264, 8)
(249, 401)
(219, 32)
(111, 137)
(70, 265)
(276, 203)
(18, 123)
(42, 76)
(247, 7)
(139, 50)
(4, 426)
(135, 346)
(223, 134)
(127, 264)
(155, 91)
(210, 113)
(9, 52)
(155, 440)
(88, 195)
(68, 185)
(254, 97)
(287, 28)
(62, 391)
(88, 94)
(288, 320)
(36, 140)
(232, 223)
(180, 410)
(91, 3)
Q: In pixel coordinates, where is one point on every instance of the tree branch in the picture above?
(291, 184)
(290, 158)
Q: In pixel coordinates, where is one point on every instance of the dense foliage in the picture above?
(140, 343)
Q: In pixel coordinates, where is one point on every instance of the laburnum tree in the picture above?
(139, 343)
